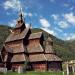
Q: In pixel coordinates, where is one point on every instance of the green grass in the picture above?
(34, 73)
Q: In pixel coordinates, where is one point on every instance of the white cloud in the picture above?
(71, 8)
(44, 22)
(65, 20)
(30, 14)
(63, 24)
(66, 5)
(55, 17)
(12, 23)
(70, 37)
(27, 14)
(12, 4)
(58, 20)
(28, 25)
(65, 34)
(58, 29)
(24, 13)
(70, 17)
(49, 31)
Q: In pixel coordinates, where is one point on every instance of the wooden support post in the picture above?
(67, 69)
(63, 73)
(73, 68)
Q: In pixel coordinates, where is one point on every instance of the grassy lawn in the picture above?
(34, 73)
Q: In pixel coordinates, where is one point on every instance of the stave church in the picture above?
(30, 50)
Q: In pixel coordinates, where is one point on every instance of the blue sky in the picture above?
(56, 17)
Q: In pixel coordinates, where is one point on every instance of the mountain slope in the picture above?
(4, 32)
(64, 49)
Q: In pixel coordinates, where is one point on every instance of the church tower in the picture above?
(15, 45)
(20, 25)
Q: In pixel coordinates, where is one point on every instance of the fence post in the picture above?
(67, 68)
(63, 73)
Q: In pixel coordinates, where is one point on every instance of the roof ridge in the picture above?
(45, 57)
(37, 32)
(13, 37)
(41, 47)
(43, 54)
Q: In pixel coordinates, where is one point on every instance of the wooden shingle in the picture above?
(18, 58)
(35, 49)
(35, 35)
(37, 57)
(13, 37)
(49, 49)
(52, 57)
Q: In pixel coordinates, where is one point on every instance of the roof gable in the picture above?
(13, 37)
(35, 35)
(36, 49)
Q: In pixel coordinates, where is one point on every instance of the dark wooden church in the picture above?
(24, 48)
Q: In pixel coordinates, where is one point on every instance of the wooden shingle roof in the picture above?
(52, 57)
(37, 57)
(8, 49)
(13, 37)
(15, 49)
(43, 57)
(18, 58)
(18, 25)
(35, 35)
(36, 48)
(49, 39)
(49, 49)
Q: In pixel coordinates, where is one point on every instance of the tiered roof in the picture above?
(47, 55)
(36, 49)
(49, 52)
(52, 57)
(15, 49)
(36, 35)
(13, 37)
(19, 58)
(48, 49)
(37, 57)
(36, 53)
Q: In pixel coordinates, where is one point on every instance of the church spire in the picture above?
(20, 22)
(21, 14)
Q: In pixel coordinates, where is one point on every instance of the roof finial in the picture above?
(21, 13)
